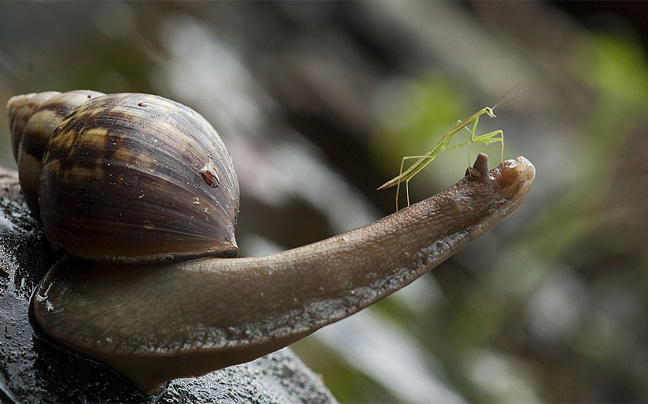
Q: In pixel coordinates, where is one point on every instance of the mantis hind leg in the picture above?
(429, 159)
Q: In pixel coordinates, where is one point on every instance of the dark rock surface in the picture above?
(34, 368)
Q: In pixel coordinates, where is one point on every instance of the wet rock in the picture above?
(33, 368)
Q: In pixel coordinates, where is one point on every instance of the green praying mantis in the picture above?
(444, 144)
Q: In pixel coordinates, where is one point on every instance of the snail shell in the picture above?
(128, 177)
(32, 120)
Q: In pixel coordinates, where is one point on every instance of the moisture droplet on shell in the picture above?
(208, 173)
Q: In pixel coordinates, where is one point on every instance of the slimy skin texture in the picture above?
(159, 322)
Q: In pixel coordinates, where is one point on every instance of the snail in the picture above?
(141, 193)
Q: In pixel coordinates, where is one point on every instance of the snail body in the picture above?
(186, 308)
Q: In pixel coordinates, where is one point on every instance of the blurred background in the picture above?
(319, 101)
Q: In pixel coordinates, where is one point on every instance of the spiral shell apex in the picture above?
(127, 177)
(33, 119)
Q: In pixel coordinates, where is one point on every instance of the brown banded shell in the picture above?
(20, 108)
(123, 178)
(34, 117)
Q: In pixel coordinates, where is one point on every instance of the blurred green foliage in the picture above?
(420, 111)
(474, 344)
